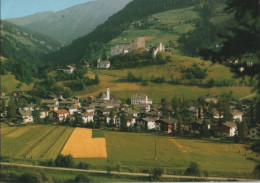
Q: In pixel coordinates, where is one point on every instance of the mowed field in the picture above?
(33, 142)
(138, 150)
(132, 150)
(82, 145)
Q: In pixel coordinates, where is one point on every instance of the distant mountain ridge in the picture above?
(85, 47)
(69, 24)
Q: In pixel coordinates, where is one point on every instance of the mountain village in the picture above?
(141, 114)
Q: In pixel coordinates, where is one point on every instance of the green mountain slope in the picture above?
(17, 40)
(90, 44)
(69, 24)
(20, 53)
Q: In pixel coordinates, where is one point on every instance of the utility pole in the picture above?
(155, 156)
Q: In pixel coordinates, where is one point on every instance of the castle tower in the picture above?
(108, 93)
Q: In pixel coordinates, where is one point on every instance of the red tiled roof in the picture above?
(61, 112)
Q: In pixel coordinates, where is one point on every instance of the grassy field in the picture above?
(9, 83)
(124, 90)
(216, 157)
(175, 19)
(173, 68)
(23, 139)
(134, 150)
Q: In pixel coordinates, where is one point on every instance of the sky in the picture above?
(20, 8)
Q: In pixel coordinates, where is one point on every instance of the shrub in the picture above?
(157, 173)
(118, 166)
(82, 178)
(31, 177)
(109, 168)
(84, 166)
(257, 170)
(256, 147)
(193, 169)
(64, 161)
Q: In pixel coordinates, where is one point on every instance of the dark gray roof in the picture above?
(168, 120)
(25, 113)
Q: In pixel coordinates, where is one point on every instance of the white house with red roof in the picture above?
(61, 114)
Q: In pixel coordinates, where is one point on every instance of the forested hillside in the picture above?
(22, 49)
(88, 45)
(71, 23)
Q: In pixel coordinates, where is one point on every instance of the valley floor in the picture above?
(135, 151)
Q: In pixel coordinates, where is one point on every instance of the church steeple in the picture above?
(108, 93)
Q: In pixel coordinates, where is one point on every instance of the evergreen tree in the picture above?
(3, 106)
(240, 38)
(179, 125)
(204, 130)
(11, 109)
(123, 126)
(97, 80)
(242, 131)
(36, 116)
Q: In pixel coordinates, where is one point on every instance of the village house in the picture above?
(51, 102)
(30, 107)
(227, 129)
(166, 124)
(52, 107)
(87, 117)
(196, 127)
(26, 116)
(144, 107)
(88, 109)
(254, 133)
(237, 115)
(130, 121)
(72, 110)
(103, 64)
(132, 112)
(61, 114)
(44, 114)
(149, 123)
(140, 99)
(69, 69)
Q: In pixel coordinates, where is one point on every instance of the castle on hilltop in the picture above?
(123, 48)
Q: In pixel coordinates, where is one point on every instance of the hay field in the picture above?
(42, 141)
(82, 145)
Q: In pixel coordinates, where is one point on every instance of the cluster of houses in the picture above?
(142, 113)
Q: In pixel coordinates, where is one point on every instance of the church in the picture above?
(106, 95)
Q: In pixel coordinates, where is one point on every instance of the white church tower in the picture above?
(108, 93)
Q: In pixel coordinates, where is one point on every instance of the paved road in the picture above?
(129, 174)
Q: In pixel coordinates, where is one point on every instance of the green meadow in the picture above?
(133, 150)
